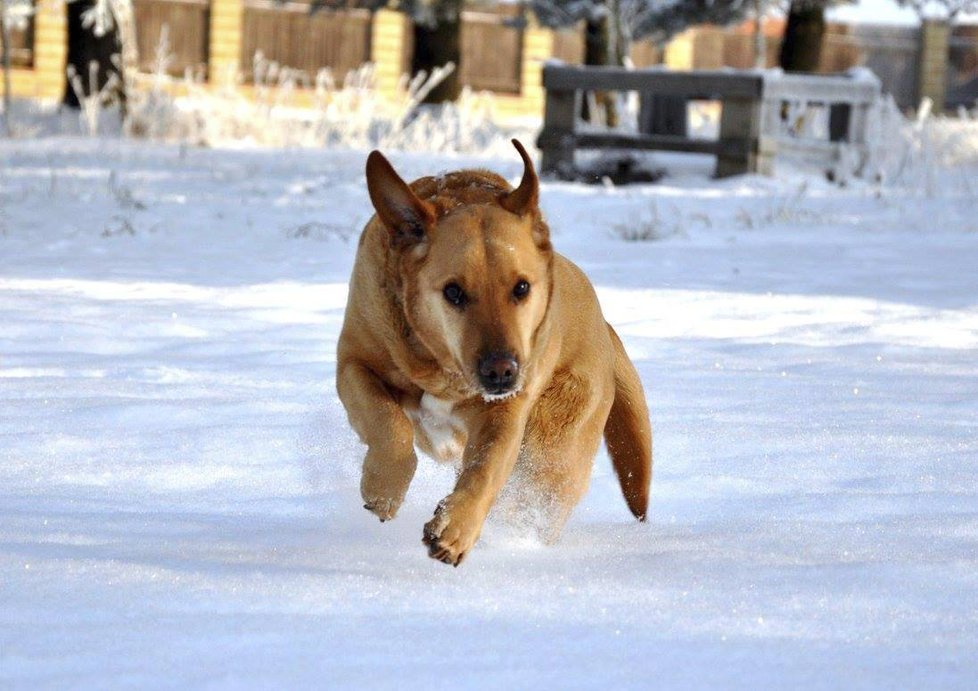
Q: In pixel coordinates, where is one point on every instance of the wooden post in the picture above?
(858, 124)
(661, 114)
(740, 139)
(556, 141)
(840, 116)
(857, 135)
(771, 111)
(224, 49)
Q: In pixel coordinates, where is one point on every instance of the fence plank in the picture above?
(569, 45)
(492, 51)
(188, 22)
(293, 37)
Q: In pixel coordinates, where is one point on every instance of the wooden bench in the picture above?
(844, 104)
(751, 102)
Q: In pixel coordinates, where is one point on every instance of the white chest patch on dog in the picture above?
(445, 431)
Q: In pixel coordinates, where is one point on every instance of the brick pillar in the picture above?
(50, 50)
(932, 62)
(538, 47)
(389, 39)
(679, 52)
(224, 51)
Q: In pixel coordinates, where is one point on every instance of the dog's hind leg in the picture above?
(383, 426)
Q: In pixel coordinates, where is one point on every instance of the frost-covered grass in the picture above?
(288, 108)
(179, 497)
(280, 107)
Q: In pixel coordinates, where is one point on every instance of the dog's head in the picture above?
(474, 263)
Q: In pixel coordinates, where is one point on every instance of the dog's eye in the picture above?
(454, 294)
(521, 290)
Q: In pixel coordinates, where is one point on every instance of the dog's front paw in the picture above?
(384, 483)
(378, 499)
(451, 533)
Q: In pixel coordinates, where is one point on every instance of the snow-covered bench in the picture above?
(821, 116)
(753, 105)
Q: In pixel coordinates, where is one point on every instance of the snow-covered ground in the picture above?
(179, 497)
(895, 12)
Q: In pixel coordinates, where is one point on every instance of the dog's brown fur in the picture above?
(409, 360)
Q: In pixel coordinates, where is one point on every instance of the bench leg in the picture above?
(858, 135)
(839, 117)
(658, 114)
(556, 141)
(740, 127)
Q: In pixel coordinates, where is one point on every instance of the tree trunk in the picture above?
(801, 47)
(598, 47)
(84, 49)
(437, 45)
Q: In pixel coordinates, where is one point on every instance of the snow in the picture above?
(179, 501)
(892, 12)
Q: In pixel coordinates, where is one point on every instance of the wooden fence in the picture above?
(498, 54)
(568, 46)
(891, 52)
(492, 49)
(287, 33)
(738, 50)
(187, 25)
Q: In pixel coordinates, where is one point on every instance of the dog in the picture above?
(467, 336)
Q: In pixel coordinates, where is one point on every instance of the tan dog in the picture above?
(467, 335)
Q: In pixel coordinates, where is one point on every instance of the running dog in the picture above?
(467, 336)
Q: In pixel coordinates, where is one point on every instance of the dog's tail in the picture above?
(628, 433)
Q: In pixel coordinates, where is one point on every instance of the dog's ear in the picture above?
(407, 218)
(525, 197)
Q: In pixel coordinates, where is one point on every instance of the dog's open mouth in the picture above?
(499, 394)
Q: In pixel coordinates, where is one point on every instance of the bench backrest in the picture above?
(701, 84)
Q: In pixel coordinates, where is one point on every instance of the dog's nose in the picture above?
(497, 372)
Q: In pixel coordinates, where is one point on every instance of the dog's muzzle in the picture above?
(498, 373)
